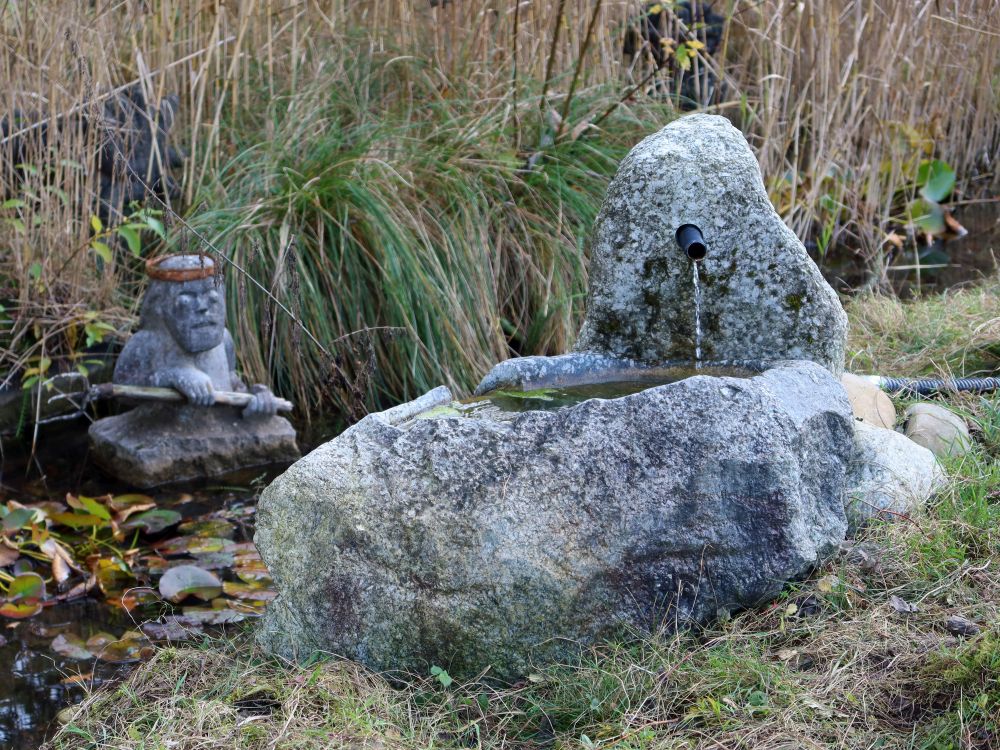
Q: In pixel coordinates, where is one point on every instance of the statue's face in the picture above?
(195, 314)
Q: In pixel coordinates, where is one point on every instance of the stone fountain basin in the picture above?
(415, 539)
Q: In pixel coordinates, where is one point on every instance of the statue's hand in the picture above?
(263, 403)
(194, 384)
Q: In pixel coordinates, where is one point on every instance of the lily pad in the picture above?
(171, 629)
(253, 571)
(136, 597)
(214, 527)
(113, 575)
(192, 545)
(121, 503)
(125, 506)
(71, 646)
(153, 521)
(26, 586)
(18, 518)
(20, 610)
(189, 580)
(8, 556)
(89, 505)
(215, 560)
(78, 520)
(125, 650)
(99, 640)
(253, 592)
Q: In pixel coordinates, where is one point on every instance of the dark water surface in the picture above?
(505, 405)
(35, 682)
(945, 263)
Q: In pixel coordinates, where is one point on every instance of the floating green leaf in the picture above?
(20, 610)
(936, 180)
(189, 580)
(192, 545)
(26, 586)
(71, 646)
(153, 521)
(18, 518)
(120, 503)
(89, 505)
(927, 216)
(211, 527)
(77, 520)
(253, 591)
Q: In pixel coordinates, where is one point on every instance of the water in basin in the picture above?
(506, 405)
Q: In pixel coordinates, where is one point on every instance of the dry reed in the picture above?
(840, 99)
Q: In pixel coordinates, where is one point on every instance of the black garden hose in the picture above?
(926, 387)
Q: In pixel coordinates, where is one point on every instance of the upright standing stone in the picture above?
(763, 298)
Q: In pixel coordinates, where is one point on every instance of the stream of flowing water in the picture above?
(697, 317)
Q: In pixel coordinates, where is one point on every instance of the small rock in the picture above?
(890, 475)
(869, 402)
(957, 625)
(902, 606)
(940, 430)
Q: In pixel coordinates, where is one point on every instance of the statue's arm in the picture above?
(263, 403)
(144, 359)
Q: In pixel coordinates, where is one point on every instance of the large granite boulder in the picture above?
(469, 542)
(763, 299)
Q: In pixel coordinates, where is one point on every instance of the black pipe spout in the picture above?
(690, 238)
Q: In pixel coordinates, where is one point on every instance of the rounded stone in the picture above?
(937, 428)
(890, 475)
(869, 402)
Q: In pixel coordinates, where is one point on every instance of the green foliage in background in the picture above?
(378, 196)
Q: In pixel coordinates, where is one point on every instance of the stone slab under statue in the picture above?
(183, 343)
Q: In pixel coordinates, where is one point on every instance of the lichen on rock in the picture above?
(763, 299)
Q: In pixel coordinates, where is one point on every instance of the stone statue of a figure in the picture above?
(183, 342)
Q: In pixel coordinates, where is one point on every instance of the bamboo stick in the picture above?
(169, 395)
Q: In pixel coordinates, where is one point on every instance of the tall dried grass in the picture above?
(840, 99)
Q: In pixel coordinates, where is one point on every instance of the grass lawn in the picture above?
(894, 643)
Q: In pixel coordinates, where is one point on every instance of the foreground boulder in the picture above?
(474, 543)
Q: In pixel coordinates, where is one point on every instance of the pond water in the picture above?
(946, 262)
(35, 681)
(506, 405)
